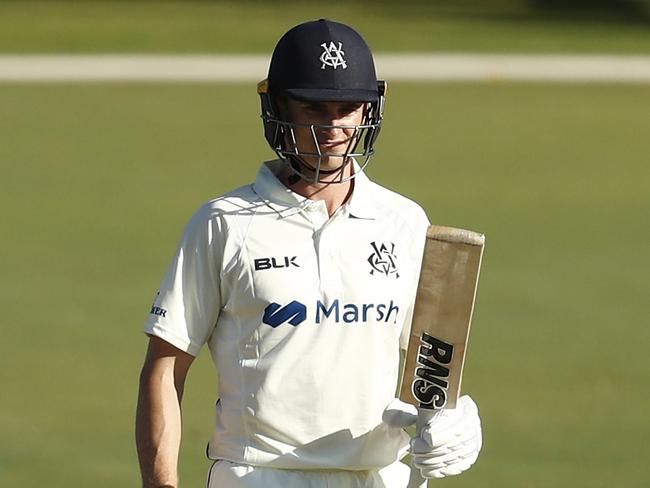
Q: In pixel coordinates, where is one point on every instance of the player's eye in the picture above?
(349, 108)
(317, 108)
(332, 109)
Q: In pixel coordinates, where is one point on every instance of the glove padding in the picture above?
(449, 444)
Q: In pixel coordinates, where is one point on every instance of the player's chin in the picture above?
(332, 160)
(330, 165)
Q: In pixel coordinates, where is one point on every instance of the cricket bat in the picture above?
(441, 321)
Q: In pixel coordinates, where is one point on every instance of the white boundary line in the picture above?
(393, 67)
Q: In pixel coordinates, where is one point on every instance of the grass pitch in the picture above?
(504, 26)
(99, 180)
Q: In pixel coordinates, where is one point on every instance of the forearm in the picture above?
(158, 429)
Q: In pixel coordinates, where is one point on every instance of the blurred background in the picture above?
(98, 179)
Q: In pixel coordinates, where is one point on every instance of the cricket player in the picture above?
(302, 285)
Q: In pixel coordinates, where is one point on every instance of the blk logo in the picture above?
(332, 55)
(383, 259)
(269, 263)
(295, 313)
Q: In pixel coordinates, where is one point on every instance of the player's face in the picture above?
(334, 140)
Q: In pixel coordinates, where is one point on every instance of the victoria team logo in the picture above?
(333, 55)
(383, 259)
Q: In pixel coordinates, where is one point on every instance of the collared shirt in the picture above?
(303, 313)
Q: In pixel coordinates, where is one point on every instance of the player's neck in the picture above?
(334, 194)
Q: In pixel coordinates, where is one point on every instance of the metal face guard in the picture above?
(287, 147)
(281, 137)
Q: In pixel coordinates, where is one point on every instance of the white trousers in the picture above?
(224, 474)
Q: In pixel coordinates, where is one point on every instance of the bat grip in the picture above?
(425, 416)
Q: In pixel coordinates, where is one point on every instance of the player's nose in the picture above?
(330, 126)
(330, 119)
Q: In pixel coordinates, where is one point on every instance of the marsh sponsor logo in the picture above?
(295, 313)
(351, 313)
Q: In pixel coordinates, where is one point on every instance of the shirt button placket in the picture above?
(330, 270)
(311, 214)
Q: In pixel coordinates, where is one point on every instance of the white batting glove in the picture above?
(449, 444)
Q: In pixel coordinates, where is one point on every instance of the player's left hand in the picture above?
(448, 444)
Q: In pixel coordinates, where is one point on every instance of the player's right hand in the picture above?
(450, 443)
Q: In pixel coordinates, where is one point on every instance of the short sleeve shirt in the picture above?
(303, 313)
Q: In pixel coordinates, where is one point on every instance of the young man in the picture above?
(302, 285)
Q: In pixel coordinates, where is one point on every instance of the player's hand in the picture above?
(449, 444)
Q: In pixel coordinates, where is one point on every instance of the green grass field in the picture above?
(255, 25)
(98, 180)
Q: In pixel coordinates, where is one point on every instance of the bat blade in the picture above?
(442, 317)
(441, 322)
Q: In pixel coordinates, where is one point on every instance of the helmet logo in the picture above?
(332, 55)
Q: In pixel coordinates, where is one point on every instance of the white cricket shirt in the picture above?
(304, 315)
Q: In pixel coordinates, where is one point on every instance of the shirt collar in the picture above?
(286, 202)
(275, 195)
(360, 205)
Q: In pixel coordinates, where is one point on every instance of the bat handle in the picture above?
(425, 415)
